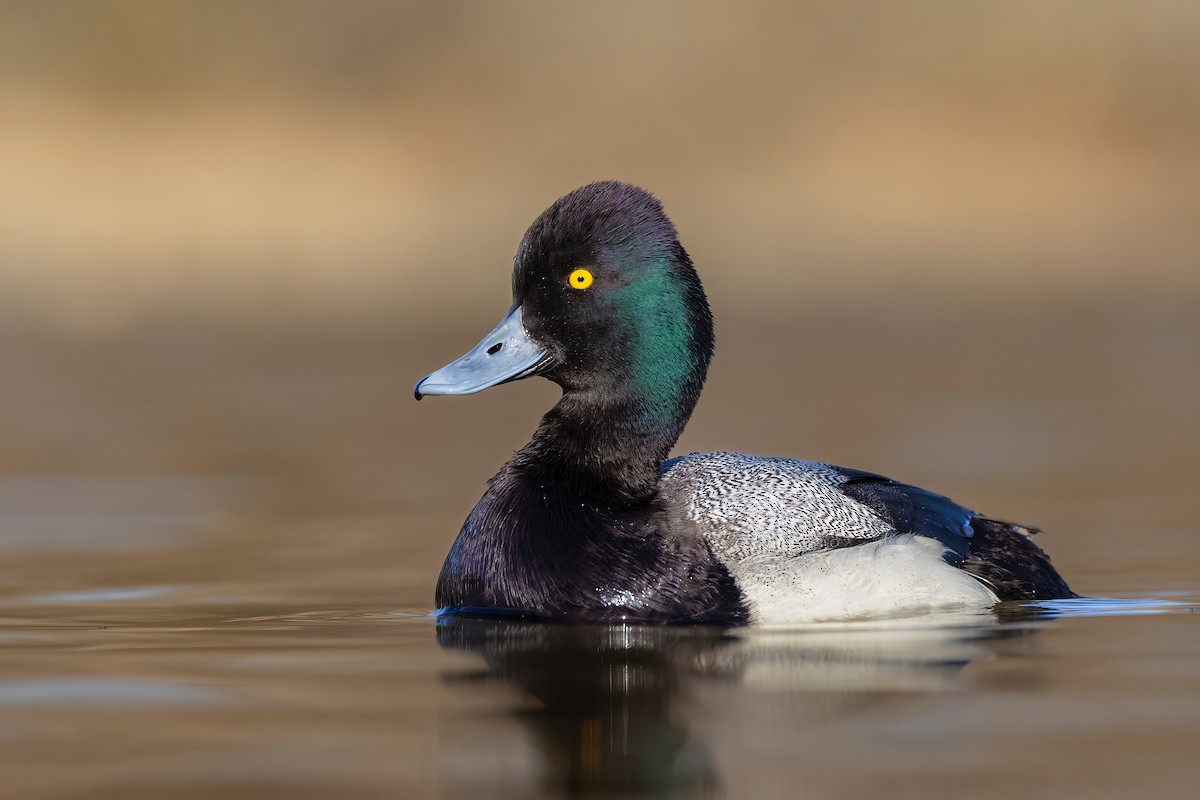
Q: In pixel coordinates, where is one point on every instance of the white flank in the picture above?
(896, 575)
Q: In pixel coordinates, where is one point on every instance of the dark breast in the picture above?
(546, 554)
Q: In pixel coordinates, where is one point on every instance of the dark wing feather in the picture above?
(910, 509)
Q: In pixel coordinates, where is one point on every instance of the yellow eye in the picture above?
(580, 279)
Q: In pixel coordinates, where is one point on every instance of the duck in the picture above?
(592, 522)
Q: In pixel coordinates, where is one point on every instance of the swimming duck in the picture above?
(590, 521)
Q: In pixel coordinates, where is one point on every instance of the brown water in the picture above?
(218, 547)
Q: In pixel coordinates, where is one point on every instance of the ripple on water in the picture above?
(74, 692)
(1112, 607)
(113, 595)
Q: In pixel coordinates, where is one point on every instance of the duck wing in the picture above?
(746, 506)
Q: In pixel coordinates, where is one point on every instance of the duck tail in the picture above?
(1004, 556)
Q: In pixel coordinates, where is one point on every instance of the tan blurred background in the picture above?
(956, 242)
(268, 161)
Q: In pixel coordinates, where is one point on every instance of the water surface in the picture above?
(218, 549)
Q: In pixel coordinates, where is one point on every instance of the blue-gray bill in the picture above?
(506, 354)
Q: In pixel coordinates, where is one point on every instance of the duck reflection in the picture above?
(607, 717)
(621, 710)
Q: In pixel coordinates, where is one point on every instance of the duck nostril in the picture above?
(491, 351)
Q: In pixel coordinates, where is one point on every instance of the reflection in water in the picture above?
(614, 703)
(608, 719)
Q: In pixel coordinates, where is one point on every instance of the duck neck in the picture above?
(607, 451)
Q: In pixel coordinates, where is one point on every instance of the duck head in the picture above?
(607, 304)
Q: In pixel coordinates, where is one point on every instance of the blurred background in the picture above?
(957, 240)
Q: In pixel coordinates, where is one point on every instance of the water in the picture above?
(216, 572)
(216, 698)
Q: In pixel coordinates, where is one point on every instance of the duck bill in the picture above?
(506, 354)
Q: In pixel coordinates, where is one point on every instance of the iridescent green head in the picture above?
(605, 303)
